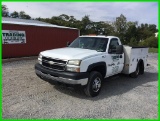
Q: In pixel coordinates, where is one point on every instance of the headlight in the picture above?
(40, 59)
(73, 69)
(74, 62)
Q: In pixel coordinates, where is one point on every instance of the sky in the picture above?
(143, 12)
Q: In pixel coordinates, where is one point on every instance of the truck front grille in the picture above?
(55, 64)
(54, 60)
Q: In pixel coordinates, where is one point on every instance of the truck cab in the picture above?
(88, 60)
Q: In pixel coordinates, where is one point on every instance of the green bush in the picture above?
(153, 50)
(150, 42)
(133, 42)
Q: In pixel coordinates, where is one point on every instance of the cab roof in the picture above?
(99, 36)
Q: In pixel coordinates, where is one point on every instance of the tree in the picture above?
(86, 25)
(146, 30)
(23, 15)
(152, 28)
(121, 24)
(5, 12)
(109, 29)
(66, 20)
(121, 27)
(64, 17)
(150, 42)
(131, 33)
(72, 21)
(101, 28)
(133, 42)
(15, 14)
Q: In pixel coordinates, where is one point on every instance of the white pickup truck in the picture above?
(90, 59)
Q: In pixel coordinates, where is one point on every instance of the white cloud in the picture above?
(143, 12)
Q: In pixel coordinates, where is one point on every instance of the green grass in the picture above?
(153, 50)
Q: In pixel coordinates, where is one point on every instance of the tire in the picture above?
(136, 73)
(94, 85)
(141, 68)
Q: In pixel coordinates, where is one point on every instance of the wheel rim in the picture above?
(96, 84)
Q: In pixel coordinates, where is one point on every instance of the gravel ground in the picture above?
(122, 97)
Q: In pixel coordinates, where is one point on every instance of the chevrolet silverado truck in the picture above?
(88, 60)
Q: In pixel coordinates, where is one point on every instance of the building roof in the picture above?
(6, 20)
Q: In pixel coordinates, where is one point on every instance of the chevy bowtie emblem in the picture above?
(51, 62)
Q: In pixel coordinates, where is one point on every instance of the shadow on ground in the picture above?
(112, 86)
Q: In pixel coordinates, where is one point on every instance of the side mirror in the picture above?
(119, 49)
(68, 43)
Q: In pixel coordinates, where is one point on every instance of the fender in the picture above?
(90, 67)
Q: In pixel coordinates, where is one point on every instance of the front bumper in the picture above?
(63, 77)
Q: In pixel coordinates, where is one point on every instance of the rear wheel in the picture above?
(141, 70)
(94, 84)
(136, 73)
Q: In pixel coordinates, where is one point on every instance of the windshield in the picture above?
(92, 43)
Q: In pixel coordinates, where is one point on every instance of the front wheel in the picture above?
(94, 84)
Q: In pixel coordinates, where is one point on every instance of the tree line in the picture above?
(130, 32)
(15, 14)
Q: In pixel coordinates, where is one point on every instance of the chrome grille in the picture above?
(55, 64)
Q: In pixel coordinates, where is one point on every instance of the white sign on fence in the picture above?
(13, 37)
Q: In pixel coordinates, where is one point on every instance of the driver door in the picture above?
(114, 61)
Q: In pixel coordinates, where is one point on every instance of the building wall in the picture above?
(37, 39)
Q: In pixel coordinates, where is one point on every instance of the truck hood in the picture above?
(70, 53)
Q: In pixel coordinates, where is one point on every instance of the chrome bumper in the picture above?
(63, 80)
